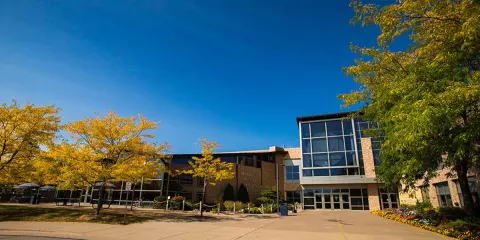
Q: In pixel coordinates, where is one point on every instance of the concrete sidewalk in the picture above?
(307, 225)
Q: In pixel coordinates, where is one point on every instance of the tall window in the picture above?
(292, 173)
(443, 194)
(328, 148)
(473, 190)
(293, 196)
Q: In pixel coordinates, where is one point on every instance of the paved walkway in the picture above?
(307, 225)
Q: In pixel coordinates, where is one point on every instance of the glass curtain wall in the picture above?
(332, 199)
(328, 148)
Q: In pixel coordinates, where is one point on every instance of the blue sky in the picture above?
(237, 72)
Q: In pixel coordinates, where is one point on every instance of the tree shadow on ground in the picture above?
(112, 215)
(338, 221)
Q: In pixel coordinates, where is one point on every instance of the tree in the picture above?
(425, 96)
(242, 194)
(212, 170)
(229, 193)
(106, 149)
(268, 195)
(23, 132)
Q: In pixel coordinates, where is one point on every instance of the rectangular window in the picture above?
(334, 128)
(443, 194)
(293, 197)
(318, 129)
(320, 160)
(335, 144)
(292, 172)
(319, 144)
(305, 130)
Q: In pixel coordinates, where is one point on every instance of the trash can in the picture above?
(283, 209)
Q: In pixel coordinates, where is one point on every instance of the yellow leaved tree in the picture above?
(107, 149)
(209, 168)
(24, 130)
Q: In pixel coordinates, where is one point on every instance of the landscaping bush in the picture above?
(452, 213)
(239, 206)
(178, 199)
(460, 225)
(159, 202)
(421, 207)
(189, 205)
(254, 210)
(228, 205)
(242, 194)
(229, 193)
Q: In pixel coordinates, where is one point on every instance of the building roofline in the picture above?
(273, 149)
(324, 116)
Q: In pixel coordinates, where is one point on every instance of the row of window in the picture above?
(444, 196)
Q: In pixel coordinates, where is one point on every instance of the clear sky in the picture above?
(238, 72)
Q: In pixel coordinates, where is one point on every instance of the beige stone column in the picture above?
(373, 199)
(368, 161)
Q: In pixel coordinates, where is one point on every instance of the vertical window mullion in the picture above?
(328, 150)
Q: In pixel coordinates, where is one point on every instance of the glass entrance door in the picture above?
(345, 201)
(336, 201)
(328, 201)
(318, 201)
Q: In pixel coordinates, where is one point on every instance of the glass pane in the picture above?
(328, 205)
(355, 192)
(335, 190)
(345, 198)
(320, 172)
(384, 198)
(394, 205)
(306, 145)
(347, 127)
(344, 190)
(349, 143)
(352, 171)
(346, 206)
(296, 176)
(335, 144)
(327, 190)
(307, 172)
(327, 198)
(296, 169)
(305, 130)
(365, 201)
(336, 198)
(318, 129)
(393, 197)
(320, 160)
(308, 201)
(338, 171)
(385, 205)
(308, 192)
(318, 190)
(319, 145)
(337, 159)
(307, 160)
(351, 159)
(356, 201)
(357, 208)
(334, 128)
(336, 206)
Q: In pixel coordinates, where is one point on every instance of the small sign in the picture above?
(128, 186)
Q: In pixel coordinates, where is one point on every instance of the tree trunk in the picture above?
(100, 200)
(468, 205)
(205, 182)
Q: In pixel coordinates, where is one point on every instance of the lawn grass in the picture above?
(62, 214)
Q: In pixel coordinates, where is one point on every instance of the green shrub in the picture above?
(254, 210)
(229, 205)
(242, 194)
(421, 207)
(460, 225)
(229, 193)
(178, 199)
(239, 206)
(189, 205)
(160, 199)
(452, 213)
